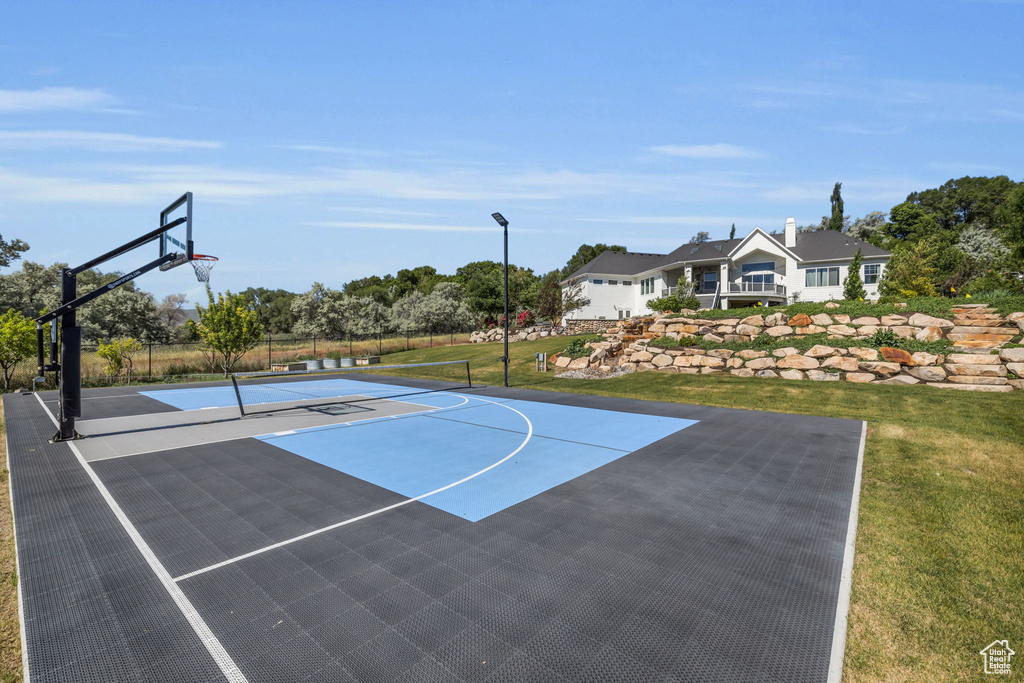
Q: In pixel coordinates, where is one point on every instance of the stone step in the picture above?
(977, 322)
(972, 387)
(982, 329)
(979, 336)
(973, 358)
(973, 379)
(976, 370)
(959, 308)
(968, 345)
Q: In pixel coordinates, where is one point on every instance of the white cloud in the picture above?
(720, 150)
(100, 142)
(418, 227)
(51, 99)
(716, 222)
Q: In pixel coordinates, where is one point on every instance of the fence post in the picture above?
(270, 357)
(349, 344)
(150, 345)
(314, 346)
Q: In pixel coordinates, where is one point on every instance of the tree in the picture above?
(732, 232)
(700, 238)
(31, 289)
(17, 342)
(966, 200)
(119, 354)
(1015, 224)
(169, 311)
(228, 329)
(11, 251)
(444, 310)
(910, 272)
(274, 307)
(572, 297)
(853, 286)
(549, 298)
(585, 254)
(836, 222)
(407, 312)
(868, 227)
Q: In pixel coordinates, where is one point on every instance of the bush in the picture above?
(577, 348)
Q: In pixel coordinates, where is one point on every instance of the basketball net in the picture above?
(203, 264)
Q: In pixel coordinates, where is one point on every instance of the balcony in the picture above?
(698, 291)
(769, 288)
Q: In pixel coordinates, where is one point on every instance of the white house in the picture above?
(771, 269)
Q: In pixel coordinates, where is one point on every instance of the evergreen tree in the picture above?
(853, 286)
(732, 232)
(836, 222)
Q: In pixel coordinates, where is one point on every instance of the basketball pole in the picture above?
(504, 224)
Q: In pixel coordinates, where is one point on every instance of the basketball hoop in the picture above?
(203, 264)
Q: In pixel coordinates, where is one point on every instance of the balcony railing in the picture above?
(757, 287)
(669, 291)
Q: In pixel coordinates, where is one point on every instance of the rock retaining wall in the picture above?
(525, 334)
(588, 326)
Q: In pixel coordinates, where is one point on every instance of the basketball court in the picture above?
(367, 528)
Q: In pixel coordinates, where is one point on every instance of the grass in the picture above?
(10, 635)
(939, 568)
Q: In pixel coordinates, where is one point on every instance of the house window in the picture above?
(623, 315)
(752, 267)
(598, 282)
(627, 282)
(647, 286)
(710, 280)
(822, 277)
(871, 272)
(613, 282)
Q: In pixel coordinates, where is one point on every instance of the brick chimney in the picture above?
(790, 232)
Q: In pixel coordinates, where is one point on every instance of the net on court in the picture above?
(264, 392)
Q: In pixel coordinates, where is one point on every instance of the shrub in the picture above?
(577, 348)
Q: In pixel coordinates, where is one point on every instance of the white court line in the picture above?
(835, 668)
(17, 566)
(213, 646)
(529, 435)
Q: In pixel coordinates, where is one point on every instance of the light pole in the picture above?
(504, 224)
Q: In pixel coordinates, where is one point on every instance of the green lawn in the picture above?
(939, 569)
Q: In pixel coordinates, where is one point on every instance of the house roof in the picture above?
(620, 263)
(822, 245)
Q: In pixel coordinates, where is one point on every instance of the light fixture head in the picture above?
(501, 219)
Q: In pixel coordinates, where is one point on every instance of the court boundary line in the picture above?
(835, 668)
(372, 513)
(213, 646)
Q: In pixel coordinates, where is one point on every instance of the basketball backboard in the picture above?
(177, 240)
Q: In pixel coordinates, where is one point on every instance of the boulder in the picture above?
(742, 372)
(775, 319)
(841, 330)
(973, 358)
(860, 377)
(831, 304)
(1012, 355)
(748, 330)
(1015, 317)
(662, 360)
(897, 356)
(669, 369)
(928, 374)
(761, 363)
(894, 320)
(899, 304)
(924, 358)
(628, 367)
(598, 355)
(779, 330)
(1016, 368)
(841, 318)
(800, 320)
(753, 320)
(710, 362)
(765, 373)
(783, 352)
(821, 351)
(750, 354)
(720, 353)
(899, 379)
(904, 331)
(969, 379)
(822, 376)
(880, 368)
(922, 320)
(708, 371)
(645, 367)
(866, 320)
(725, 329)
(734, 363)
(844, 363)
(973, 387)
(658, 327)
(688, 371)
(868, 330)
(798, 362)
(809, 329)
(579, 363)
(863, 352)
(823, 319)
(928, 334)
(713, 338)
(976, 370)
(791, 374)
(685, 361)
(736, 338)
(563, 361)
(642, 357)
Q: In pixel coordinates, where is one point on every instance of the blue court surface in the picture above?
(467, 455)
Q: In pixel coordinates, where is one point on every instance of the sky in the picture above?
(335, 140)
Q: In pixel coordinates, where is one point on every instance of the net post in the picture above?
(238, 396)
(469, 378)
